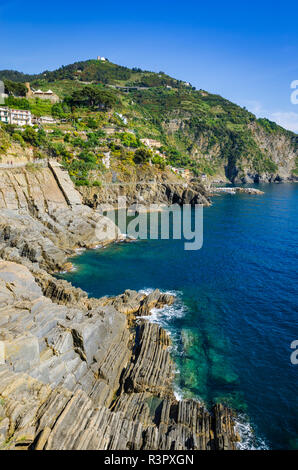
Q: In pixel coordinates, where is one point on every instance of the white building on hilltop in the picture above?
(103, 59)
(18, 117)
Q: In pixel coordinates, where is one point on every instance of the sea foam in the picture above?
(249, 439)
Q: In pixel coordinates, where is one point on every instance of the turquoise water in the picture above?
(236, 310)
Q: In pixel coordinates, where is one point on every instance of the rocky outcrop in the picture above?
(146, 193)
(39, 223)
(234, 190)
(65, 184)
(80, 378)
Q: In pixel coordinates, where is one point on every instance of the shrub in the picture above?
(17, 103)
(159, 161)
(17, 137)
(142, 156)
(82, 182)
(129, 140)
(57, 133)
(91, 123)
(30, 136)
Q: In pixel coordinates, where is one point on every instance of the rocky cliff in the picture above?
(249, 152)
(76, 372)
(44, 224)
(146, 193)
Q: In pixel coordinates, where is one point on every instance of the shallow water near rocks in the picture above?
(236, 310)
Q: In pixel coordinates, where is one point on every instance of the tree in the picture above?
(61, 110)
(92, 97)
(18, 103)
(13, 88)
(30, 136)
(142, 156)
(34, 138)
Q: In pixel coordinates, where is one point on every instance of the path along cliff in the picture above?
(78, 372)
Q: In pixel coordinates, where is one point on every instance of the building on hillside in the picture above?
(18, 117)
(109, 130)
(43, 120)
(151, 143)
(4, 115)
(43, 95)
(184, 172)
(3, 96)
(123, 118)
(103, 59)
(107, 159)
(127, 89)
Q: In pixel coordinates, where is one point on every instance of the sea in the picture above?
(235, 315)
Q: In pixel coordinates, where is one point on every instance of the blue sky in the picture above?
(245, 51)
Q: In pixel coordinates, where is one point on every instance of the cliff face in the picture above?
(75, 372)
(283, 151)
(44, 223)
(248, 154)
(146, 193)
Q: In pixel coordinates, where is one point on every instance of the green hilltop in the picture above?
(197, 130)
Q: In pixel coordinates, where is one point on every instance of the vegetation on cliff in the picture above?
(196, 130)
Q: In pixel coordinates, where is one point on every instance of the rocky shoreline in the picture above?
(237, 189)
(79, 372)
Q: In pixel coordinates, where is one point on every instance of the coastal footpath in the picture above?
(78, 372)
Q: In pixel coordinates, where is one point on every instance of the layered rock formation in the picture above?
(156, 192)
(79, 378)
(42, 223)
(75, 372)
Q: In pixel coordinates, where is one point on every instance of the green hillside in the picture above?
(197, 130)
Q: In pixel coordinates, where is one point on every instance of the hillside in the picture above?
(106, 109)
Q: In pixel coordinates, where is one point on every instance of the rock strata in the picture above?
(79, 378)
(146, 193)
(40, 224)
(77, 372)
